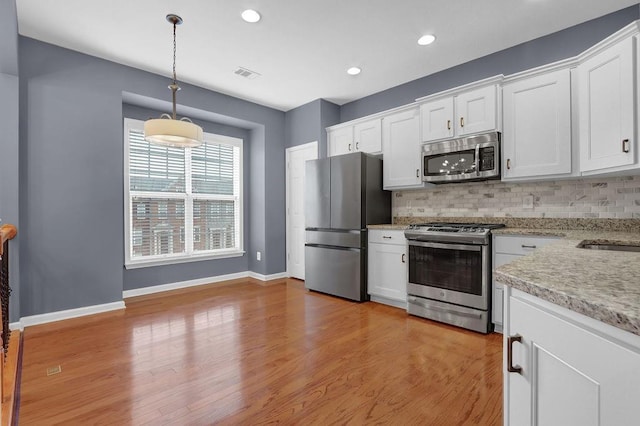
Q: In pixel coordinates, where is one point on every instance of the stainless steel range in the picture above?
(450, 273)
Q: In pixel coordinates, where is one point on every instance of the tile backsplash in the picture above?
(605, 198)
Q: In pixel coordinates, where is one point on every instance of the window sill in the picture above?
(186, 259)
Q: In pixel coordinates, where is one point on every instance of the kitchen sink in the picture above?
(595, 245)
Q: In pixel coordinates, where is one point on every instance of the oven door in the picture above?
(452, 273)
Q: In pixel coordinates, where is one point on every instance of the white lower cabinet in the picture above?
(507, 248)
(574, 370)
(387, 263)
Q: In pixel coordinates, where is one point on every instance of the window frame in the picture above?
(190, 255)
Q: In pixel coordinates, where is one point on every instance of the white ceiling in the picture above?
(301, 48)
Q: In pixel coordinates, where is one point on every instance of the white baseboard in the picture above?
(182, 284)
(261, 277)
(69, 313)
(16, 326)
(200, 281)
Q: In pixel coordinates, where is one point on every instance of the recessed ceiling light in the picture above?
(251, 16)
(426, 39)
(354, 71)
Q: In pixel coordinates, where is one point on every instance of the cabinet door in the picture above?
(341, 141)
(437, 120)
(387, 275)
(570, 376)
(401, 150)
(606, 108)
(537, 126)
(476, 111)
(368, 136)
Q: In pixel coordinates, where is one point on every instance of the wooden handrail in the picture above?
(7, 232)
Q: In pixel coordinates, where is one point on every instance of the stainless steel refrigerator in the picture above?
(343, 194)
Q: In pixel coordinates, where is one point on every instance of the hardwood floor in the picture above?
(252, 354)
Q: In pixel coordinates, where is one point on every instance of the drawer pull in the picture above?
(530, 247)
(386, 238)
(510, 367)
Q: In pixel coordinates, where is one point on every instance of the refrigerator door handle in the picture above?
(333, 247)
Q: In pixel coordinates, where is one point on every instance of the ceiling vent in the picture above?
(243, 72)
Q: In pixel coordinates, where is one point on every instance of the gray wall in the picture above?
(71, 163)
(9, 143)
(155, 275)
(560, 45)
(307, 123)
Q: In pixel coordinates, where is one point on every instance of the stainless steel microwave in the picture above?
(465, 159)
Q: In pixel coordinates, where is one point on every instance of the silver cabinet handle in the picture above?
(403, 255)
(448, 124)
(417, 173)
(477, 159)
(625, 146)
(349, 147)
(526, 246)
(510, 367)
(461, 121)
(386, 238)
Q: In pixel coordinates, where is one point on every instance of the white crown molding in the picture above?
(496, 79)
(543, 69)
(68, 314)
(626, 32)
(374, 116)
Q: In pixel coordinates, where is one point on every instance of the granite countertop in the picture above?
(388, 226)
(601, 284)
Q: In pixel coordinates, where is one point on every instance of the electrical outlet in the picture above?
(258, 255)
(527, 202)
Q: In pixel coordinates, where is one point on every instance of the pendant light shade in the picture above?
(168, 130)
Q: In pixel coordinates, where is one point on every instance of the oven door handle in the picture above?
(465, 247)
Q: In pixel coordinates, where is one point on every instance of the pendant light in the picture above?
(168, 130)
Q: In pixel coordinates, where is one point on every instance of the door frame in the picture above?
(288, 152)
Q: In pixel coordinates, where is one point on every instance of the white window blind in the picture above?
(181, 204)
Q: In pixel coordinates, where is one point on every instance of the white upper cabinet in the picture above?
(437, 119)
(476, 111)
(401, 150)
(341, 141)
(536, 140)
(365, 136)
(606, 84)
(368, 136)
(466, 113)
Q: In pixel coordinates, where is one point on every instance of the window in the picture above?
(181, 204)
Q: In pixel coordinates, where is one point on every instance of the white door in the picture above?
(537, 126)
(437, 120)
(476, 111)
(606, 108)
(296, 158)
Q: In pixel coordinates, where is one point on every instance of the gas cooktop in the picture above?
(475, 233)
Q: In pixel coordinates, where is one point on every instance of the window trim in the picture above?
(193, 256)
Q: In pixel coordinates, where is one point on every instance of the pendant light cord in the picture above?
(174, 53)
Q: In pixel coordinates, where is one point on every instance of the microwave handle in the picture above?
(477, 159)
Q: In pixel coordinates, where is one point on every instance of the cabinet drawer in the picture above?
(387, 236)
(519, 244)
